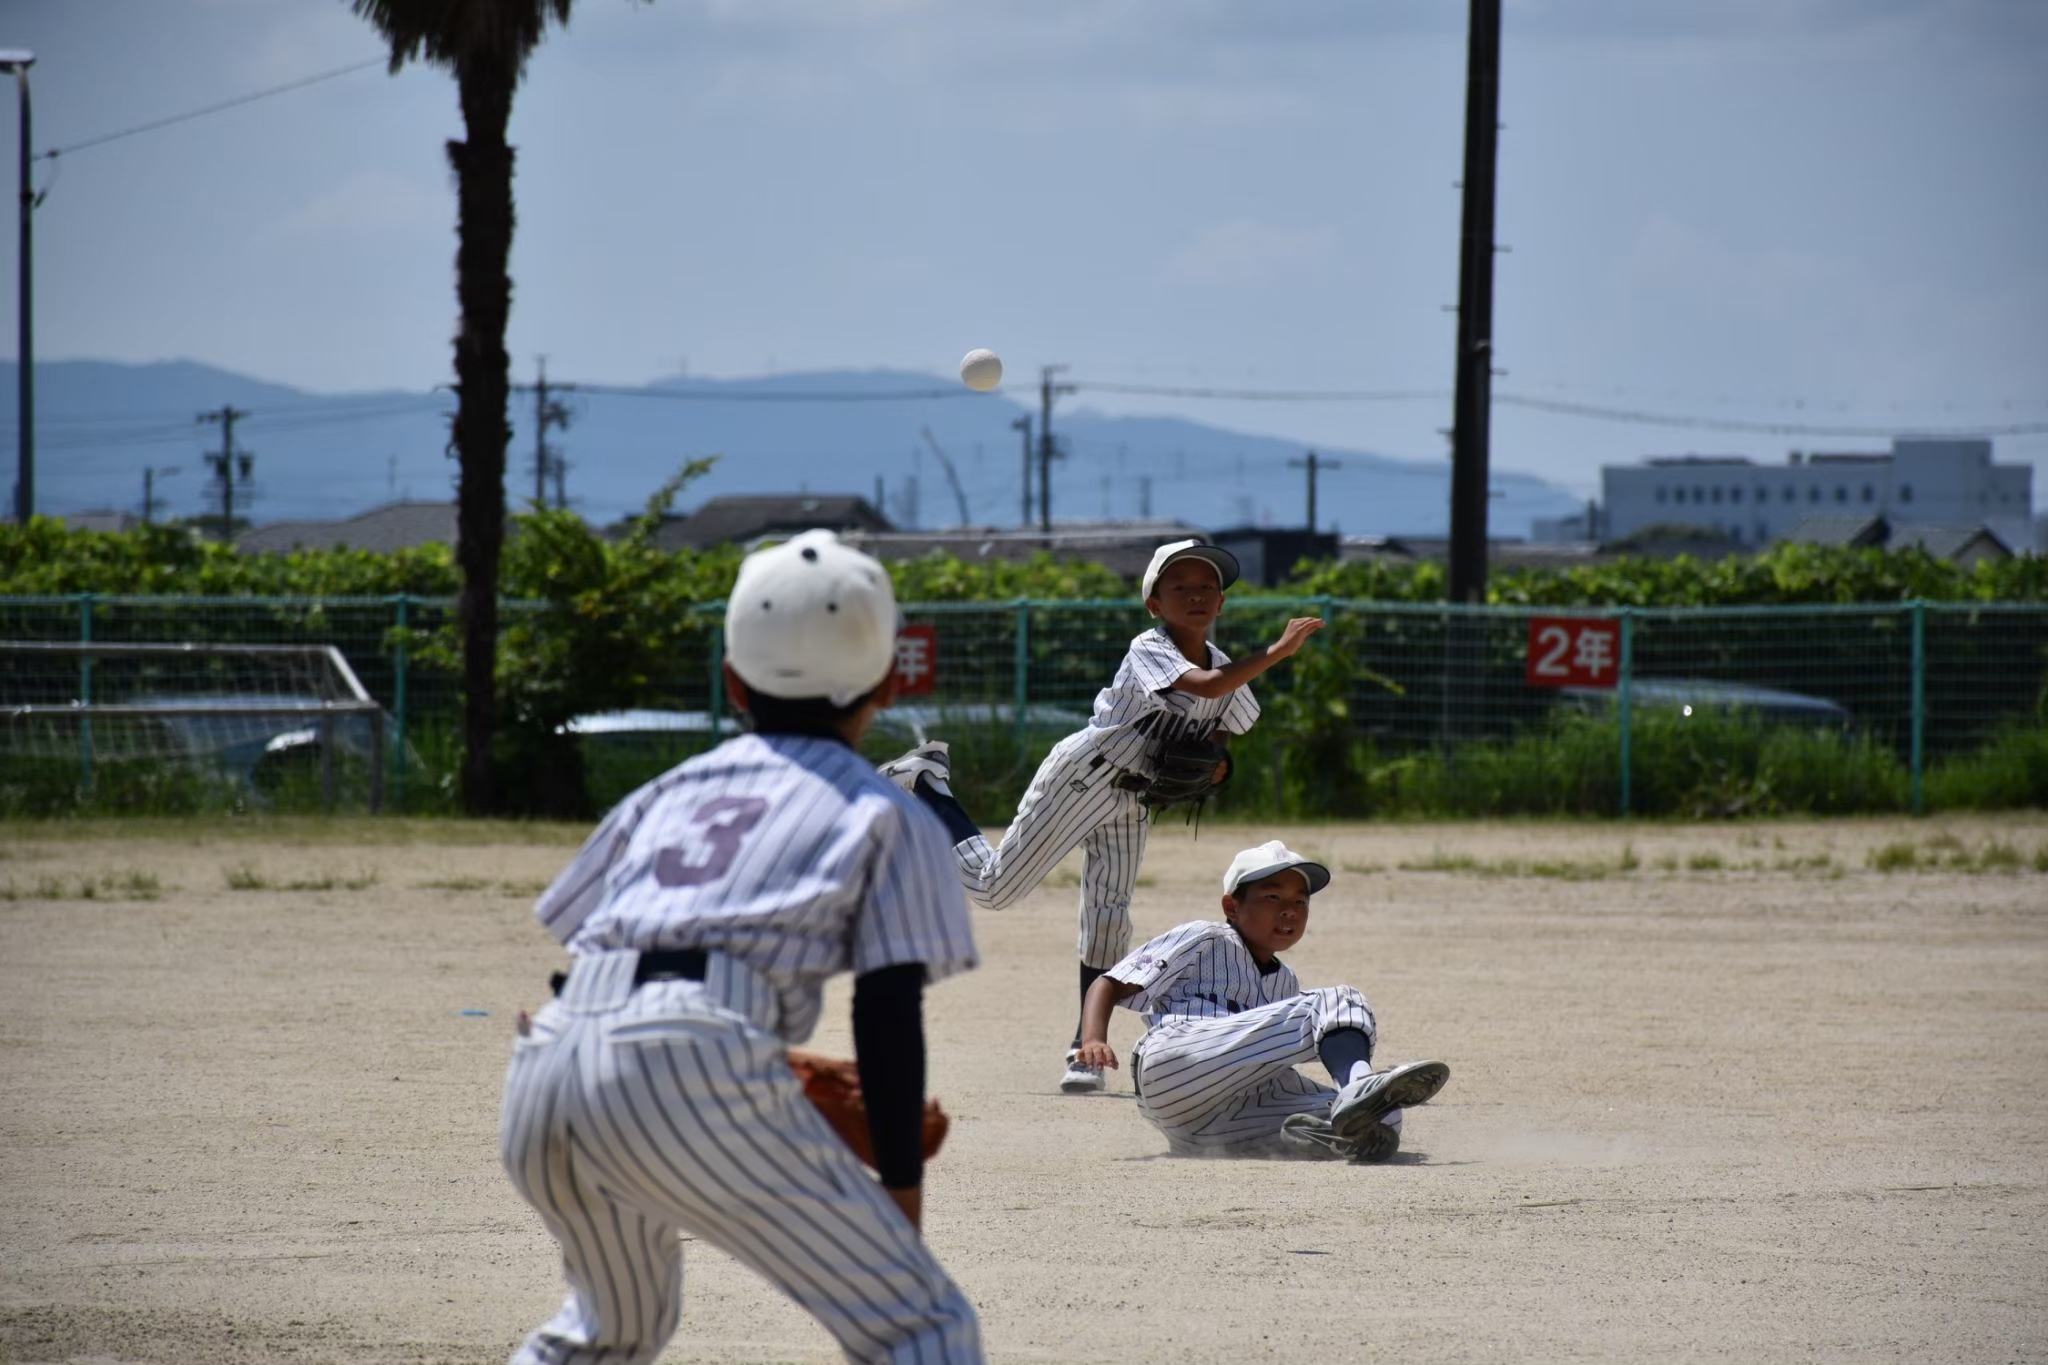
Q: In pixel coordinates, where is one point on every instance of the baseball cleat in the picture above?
(1380, 1143)
(1080, 1078)
(928, 761)
(1311, 1135)
(1361, 1105)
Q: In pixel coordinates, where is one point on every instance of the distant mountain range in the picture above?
(100, 425)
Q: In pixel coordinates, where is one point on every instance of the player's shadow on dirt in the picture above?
(1398, 1159)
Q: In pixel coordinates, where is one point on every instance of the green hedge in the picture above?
(45, 558)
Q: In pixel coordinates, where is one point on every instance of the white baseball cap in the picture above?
(811, 618)
(1224, 562)
(1269, 859)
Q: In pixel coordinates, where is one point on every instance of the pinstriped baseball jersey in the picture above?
(1141, 707)
(1215, 1071)
(1200, 970)
(786, 852)
(637, 1112)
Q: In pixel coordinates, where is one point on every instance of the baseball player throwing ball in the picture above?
(1228, 1025)
(652, 1096)
(1175, 701)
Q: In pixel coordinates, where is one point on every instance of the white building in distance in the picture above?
(1919, 483)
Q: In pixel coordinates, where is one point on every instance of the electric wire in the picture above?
(104, 138)
(1568, 408)
(774, 396)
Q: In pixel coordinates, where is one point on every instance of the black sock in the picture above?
(958, 822)
(1343, 1048)
(1088, 975)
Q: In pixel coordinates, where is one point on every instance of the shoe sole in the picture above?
(1379, 1144)
(1322, 1139)
(1408, 1086)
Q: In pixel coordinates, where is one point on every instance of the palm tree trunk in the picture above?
(483, 289)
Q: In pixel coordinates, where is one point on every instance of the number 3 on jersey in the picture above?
(718, 827)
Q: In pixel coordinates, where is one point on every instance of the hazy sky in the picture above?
(1784, 210)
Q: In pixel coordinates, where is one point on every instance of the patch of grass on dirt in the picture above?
(1704, 862)
(1999, 856)
(455, 884)
(1440, 861)
(313, 830)
(1560, 869)
(1946, 853)
(1363, 869)
(1568, 870)
(108, 886)
(245, 877)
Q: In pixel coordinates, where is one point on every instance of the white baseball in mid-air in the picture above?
(981, 369)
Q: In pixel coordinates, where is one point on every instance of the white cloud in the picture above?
(1243, 253)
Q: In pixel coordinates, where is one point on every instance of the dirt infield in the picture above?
(1719, 1092)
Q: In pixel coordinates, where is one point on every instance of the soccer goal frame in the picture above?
(320, 713)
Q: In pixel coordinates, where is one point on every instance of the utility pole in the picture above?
(149, 491)
(1023, 424)
(547, 461)
(1048, 449)
(226, 464)
(1472, 404)
(18, 61)
(1312, 463)
(1145, 497)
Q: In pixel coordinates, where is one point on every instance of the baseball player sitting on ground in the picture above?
(1174, 700)
(652, 1097)
(1228, 1024)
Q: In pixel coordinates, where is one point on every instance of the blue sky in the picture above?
(1782, 210)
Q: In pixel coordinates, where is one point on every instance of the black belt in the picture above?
(659, 964)
(1123, 781)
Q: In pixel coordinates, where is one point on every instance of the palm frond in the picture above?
(464, 35)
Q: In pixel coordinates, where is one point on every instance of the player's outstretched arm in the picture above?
(1102, 998)
(1221, 682)
(888, 1049)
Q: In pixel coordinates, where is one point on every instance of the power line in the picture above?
(1639, 417)
(1592, 411)
(1268, 395)
(781, 396)
(186, 117)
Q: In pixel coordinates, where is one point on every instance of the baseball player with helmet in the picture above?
(1157, 736)
(1228, 1024)
(654, 1096)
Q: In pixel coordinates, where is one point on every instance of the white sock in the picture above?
(1359, 1070)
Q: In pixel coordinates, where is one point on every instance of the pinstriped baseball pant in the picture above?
(1222, 1087)
(1070, 804)
(633, 1116)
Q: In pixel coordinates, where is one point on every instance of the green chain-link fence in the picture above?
(1392, 708)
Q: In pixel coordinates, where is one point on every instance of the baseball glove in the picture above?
(833, 1086)
(1187, 769)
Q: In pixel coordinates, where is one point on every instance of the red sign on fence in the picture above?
(917, 660)
(1574, 651)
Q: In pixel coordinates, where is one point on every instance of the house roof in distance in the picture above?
(1859, 532)
(394, 526)
(1953, 542)
(1122, 547)
(101, 519)
(738, 519)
